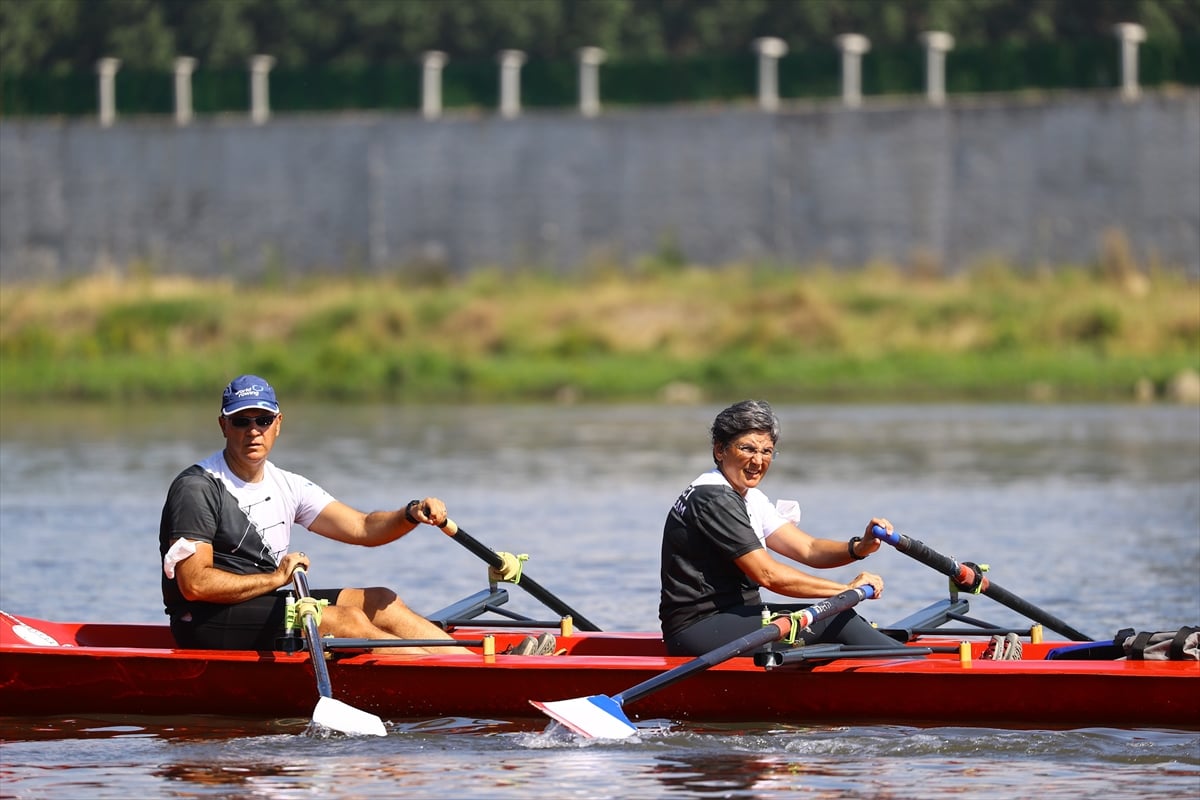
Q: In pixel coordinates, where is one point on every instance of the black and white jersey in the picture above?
(249, 525)
(709, 526)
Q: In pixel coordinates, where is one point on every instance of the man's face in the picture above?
(250, 434)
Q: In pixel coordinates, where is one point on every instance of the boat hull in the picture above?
(134, 669)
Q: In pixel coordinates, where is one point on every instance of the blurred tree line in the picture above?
(70, 35)
(363, 54)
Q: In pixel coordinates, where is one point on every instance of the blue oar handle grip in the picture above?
(881, 534)
(868, 591)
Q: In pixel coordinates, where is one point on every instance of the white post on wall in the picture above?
(590, 59)
(853, 46)
(260, 103)
(937, 44)
(107, 68)
(1131, 34)
(510, 82)
(770, 49)
(184, 66)
(432, 62)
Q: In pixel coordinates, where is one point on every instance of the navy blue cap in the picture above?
(248, 391)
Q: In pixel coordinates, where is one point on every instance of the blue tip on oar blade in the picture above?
(595, 717)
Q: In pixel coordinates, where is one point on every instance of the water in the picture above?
(1092, 512)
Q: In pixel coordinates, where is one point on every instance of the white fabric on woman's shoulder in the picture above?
(789, 510)
(765, 518)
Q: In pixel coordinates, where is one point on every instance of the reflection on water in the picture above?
(1089, 512)
(181, 729)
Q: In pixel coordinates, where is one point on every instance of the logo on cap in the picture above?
(248, 391)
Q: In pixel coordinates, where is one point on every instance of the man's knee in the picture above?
(378, 598)
(344, 620)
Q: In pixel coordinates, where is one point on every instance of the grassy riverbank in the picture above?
(662, 331)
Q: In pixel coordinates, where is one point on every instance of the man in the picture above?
(225, 533)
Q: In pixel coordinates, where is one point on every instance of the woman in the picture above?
(715, 542)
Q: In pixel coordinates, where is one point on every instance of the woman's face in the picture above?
(745, 460)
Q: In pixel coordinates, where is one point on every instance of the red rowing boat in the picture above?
(79, 668)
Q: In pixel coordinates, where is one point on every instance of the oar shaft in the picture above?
(966, 577)
(313, 637)
(329, 713)
(771, 632)
(1007, 598)
(493, 559)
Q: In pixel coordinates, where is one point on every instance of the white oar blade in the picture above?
(595, 717)
(338, 716)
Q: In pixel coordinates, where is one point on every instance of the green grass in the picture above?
(610, 334)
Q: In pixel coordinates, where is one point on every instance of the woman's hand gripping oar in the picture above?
(601, 717)
(331, 713)
(970, 578)
(494, 560)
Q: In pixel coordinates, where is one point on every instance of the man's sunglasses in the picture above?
(265, 421)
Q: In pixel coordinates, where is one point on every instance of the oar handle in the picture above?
(823, 609)
(881, 534)
(964, 575)
(493, 559)
(967, 577)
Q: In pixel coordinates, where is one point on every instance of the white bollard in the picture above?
(770, 49)
(510, 82)
(432, 62)
(184, 66)
(937, 44)
(107, 68)
(1130, 34)
(853, 46)
(590, 59)
(260, 103)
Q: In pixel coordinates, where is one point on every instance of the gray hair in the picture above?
(745, 417)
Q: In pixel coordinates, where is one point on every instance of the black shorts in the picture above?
(251, 625)
(733, 623)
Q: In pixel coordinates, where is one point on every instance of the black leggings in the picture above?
(733, 623)
(251, 625)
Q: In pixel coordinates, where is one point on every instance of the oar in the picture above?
(493, 559)
(333, 714)
(970, 578)
(601, 717)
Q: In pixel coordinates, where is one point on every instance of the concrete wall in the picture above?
(1030, 181)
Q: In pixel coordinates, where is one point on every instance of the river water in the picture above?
(1092, 512)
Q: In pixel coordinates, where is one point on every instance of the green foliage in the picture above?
(35, 342)
(577, 340)
(326, 324)
(57, 35)
(1094, 326)
(363, 54)
(143, 327)
(791, 332)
